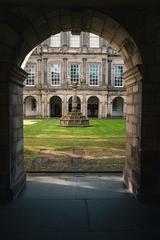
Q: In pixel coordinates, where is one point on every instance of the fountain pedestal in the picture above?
(74, 118)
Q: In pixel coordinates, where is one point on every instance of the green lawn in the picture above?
(49, 147)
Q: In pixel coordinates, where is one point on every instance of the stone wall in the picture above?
(132, 172)
(12, 172)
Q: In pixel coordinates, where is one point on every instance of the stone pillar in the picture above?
(84, 105)
(12, 176)
(39, 64)
(39, 106)
(65, 39)
(150, 134)
(103, 107)
(64, 78)
(45, 81)
(46, 105)
(85, 39)
(132, 171)
(109, 106)
(64, 105)
(103, 71)
(43, 106)
(100, 109)
(109, 72)
(84, 70)
(124, 109)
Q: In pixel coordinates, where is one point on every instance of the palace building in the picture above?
(64, 59)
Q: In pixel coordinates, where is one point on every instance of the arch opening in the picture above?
(78, 104)
(30, 107)
(96, 23)
(55, 106)
(118, 107)
(93, 107)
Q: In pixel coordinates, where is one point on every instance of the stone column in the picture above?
(42, 106)
(84, 70)
(64, 105)
(100, 109)
(109, 107)
(64, 78)
(132, 172)
(48, 107)
(103, 71)
(106, 108)
(46, 104)
(39, 65)
(45, 81)
(84, 104)
(65, 39)
(109, 72)
(85, 39)
(103, 107)
(39, 105)
(124, 109)
(12, 176)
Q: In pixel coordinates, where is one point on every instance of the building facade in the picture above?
(85, 59)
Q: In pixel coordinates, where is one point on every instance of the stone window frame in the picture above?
(88, 75)
(114, 64)
(98, 74)
(50, 74)
(34, 80)
(69, 70)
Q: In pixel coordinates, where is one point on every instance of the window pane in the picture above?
(55, 71)
(74, 40)
(118, 81)
(55, 40)
(94, 74)
(75, 73)
(94, 40)
(31, 70)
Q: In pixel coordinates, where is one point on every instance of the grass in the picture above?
(49, 147)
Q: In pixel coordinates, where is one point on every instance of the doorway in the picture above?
(55, 106)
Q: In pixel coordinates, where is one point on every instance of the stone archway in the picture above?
(117, 107)
(55, 106)
(30, 107)
(70, 104)
(93, 107)
(34, 31)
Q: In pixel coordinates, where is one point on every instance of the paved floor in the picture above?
(79, 207)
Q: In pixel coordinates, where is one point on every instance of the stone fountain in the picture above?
(74, 118)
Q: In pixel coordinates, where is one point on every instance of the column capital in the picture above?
(133, 75)
(18, 75)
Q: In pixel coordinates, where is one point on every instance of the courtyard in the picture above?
(98, 148)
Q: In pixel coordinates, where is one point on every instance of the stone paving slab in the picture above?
(86, 206)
